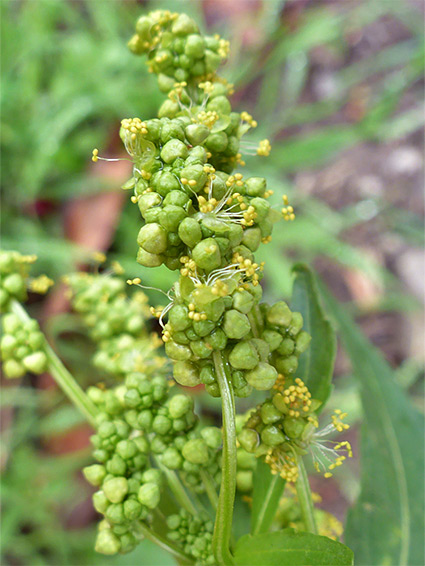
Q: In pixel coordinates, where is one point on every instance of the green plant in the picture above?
(205, 222)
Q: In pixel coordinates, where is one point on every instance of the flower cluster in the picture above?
(115, 322)
(15, 280)
(137, 422)
(284, 427)
(22, 347)
(194, 534)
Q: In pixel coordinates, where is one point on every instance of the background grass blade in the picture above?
(316, 364)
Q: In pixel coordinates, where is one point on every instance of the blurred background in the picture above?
(337, 87)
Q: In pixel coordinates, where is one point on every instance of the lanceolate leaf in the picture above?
(291, 548)
(386, 526)
(268, 489)
(317, 362)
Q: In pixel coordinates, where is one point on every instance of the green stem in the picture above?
(178, 490)
(210, 488)
(164, 543)
(226, 500)
(305, 499)
(61, 375)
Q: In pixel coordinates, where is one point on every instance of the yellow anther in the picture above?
(95, 155)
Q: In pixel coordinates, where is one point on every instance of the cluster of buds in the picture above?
(14, 278)
(115, 322)
(284, 427)
(194, 534)
(22, 347)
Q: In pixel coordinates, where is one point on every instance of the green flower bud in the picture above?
(244, 481)
(35, 362)
(279, 403)
(168, 109)
(172, 130)
(172, 458)
(252, 238)
(184, 25)
(262, 377)
(190, 232)
(143, 26)
(116, 466)
(272, 436)
(132, 509)
(115, 513)
(195, 46)
(177, 352)
(195, 451)
(149, 495)
(152, 238)
(177, 198)
(207, 255)
(13, 369)
(107, 542)
(235, 234)
(195, 173)
(165, 83)
(179, 405)
(8, 344)
(171, 216)
(128, 542)
(287, 365)
(186, 374)
(302, 342)
(255, 186)
(115, 489)
(147, 201)
(236, 325)
(286, 347)
(94, 474)
(217, 142)
(294, 427)
(244, 356)
(296, 323)
(201, 349)
(262, 208)
(279, 314)
(217, 340)
(11, 324)
(197, 156)
(161, 424)
(212, 436)
(172, 150)
(243, 301)
(14, 284)
(127, 449)
(248, 439)
(197, 133)
(220, 104)
(203, 327)
(213, 389)
(262, 348)
(269, 413)
(100, 502)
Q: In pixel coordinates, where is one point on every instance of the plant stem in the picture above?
(305, 499)
(61, 375)
(226, 500)
(210, 488)
(164, 543)
(178, 490)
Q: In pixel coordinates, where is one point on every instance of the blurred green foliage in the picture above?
(67, 80)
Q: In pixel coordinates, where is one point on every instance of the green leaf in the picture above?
(386, 525)
(291, 548)
(317, 362)
(268, 489)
